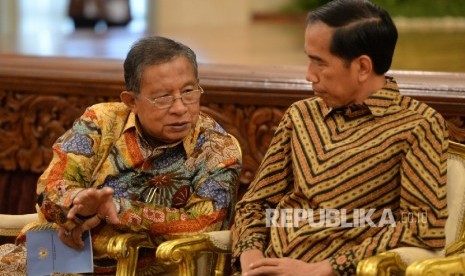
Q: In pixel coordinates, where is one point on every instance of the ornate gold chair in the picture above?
(417, 261)
(203, 254)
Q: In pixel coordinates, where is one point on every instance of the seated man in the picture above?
(153, 163)
(355, 171)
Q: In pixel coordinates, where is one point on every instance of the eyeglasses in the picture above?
(187, 97)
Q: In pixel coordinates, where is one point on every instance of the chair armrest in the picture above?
(453, 265)
(455, 248)
(183, 251)
(395, 260)
(125, 249)
(11, 225)
(381, 264)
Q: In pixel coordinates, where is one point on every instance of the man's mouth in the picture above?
(179, 126)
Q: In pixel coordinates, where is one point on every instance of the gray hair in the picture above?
(152, 51)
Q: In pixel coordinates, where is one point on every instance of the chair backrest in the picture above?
(455, 193)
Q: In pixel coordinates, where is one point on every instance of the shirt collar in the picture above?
(378, 102)
(131, 123)
(189, 141)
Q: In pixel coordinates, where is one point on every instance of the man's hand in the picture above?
(249, 257)
(98, 202)
(288, 266)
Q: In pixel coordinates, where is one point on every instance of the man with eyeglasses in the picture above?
(152, 163)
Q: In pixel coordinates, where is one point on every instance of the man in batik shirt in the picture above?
(355, 171)
(152, 163)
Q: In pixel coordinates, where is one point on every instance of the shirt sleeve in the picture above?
(269, 186)
(423, 204)
(75, 156)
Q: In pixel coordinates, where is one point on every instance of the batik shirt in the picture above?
(181, 188)
(349, 183)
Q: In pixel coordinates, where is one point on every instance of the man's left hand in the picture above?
(288, 266)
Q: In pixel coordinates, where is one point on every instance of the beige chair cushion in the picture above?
(455, 197)
(409, 255)
(221, 239)
(11, 225)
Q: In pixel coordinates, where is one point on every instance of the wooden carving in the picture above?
(31, 123)
(254, 128)
(456, 128)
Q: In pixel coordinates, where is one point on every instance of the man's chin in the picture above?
(332, 104)
(176, 137)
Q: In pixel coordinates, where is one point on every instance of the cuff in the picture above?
(344, 264)
(242, 245)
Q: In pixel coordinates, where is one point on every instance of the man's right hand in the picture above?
(95, 201)
(248, 257)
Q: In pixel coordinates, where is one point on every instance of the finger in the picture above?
(73, 211)
(107, 191)
(91, 223)
(107, 209)
(106, 194)
(88, 197)
(86, 203)
(66, 238)
(112, 218)
(265, 262)
(76, 236)
(82, 196)
(263, 270)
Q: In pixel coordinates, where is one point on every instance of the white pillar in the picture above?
(8, 16)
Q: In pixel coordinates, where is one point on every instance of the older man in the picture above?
(152, 163)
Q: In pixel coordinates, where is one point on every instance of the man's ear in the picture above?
(129, 99)
(365, 67)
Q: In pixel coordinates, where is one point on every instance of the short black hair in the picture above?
(360, 28)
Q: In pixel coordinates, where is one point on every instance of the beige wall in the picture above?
(189, 13)
(216, 13)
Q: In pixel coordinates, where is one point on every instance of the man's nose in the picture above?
(178, 105)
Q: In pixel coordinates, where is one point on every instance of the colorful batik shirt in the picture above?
(346, 184)
(171, 190)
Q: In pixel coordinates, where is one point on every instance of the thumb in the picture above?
(106, 192)
(112, 218)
